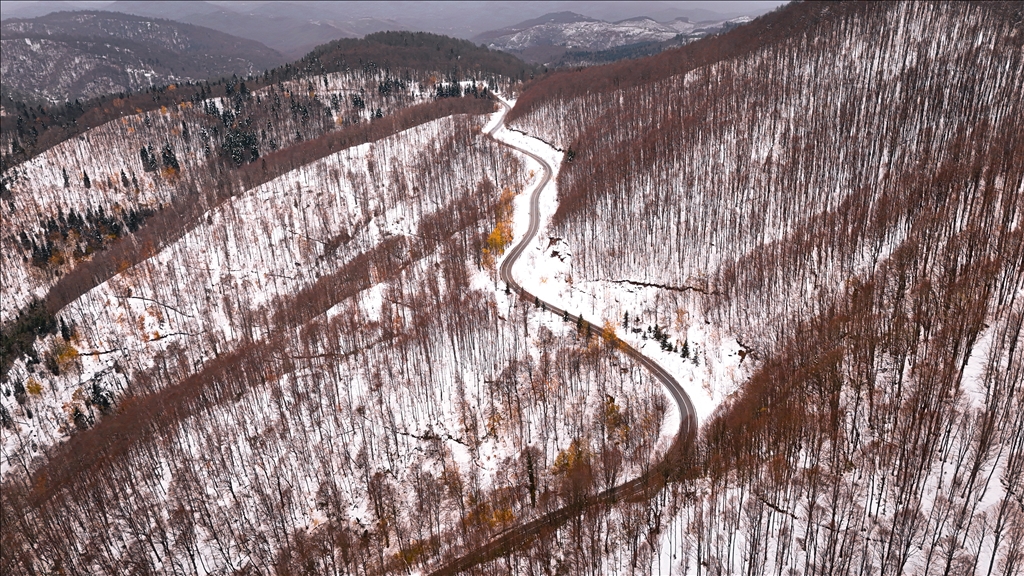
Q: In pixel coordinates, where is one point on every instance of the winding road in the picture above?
(518, 535)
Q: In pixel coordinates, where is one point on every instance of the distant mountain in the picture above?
(75, 55)
(291, 36)
(571, 38)
(16, 9)
(292, 32)
(168, 9)
(296, 27)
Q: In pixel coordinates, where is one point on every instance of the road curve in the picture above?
(516, 536)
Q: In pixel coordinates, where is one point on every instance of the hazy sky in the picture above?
(464, 19)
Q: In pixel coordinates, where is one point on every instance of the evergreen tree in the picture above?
(148, 158)
(170, 161)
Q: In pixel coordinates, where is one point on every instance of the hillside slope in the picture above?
(79, 55)
(412, 404)
(258, 326)
(201, 138)
(840, 188)
(224, 245)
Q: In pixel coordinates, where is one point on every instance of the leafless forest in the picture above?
(256, 327)
(848, 202)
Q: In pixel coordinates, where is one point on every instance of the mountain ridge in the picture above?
(550, 38)
(90, 54)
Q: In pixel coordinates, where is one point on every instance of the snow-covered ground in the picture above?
(712, 370)
(414, 413)
(429, 376)
(257, 248)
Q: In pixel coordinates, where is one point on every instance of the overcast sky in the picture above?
(463, 19)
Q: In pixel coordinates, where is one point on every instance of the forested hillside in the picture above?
(167, 156)
(189, 249)
(842, 193)
(68, 56)
(395, 383)
(389, 61)
(266, 324)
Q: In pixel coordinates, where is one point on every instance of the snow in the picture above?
(258, 246)
(267, 243)
(972, 383)
(545, 269)
(598, 35)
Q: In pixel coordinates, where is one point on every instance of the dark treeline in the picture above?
(31, 130)
(457, 59)
(18, 337)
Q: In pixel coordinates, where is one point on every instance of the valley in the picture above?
(749, 303)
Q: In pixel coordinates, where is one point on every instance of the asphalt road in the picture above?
(636, 488)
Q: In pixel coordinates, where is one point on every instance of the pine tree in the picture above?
(148, 158)
(170, 160)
